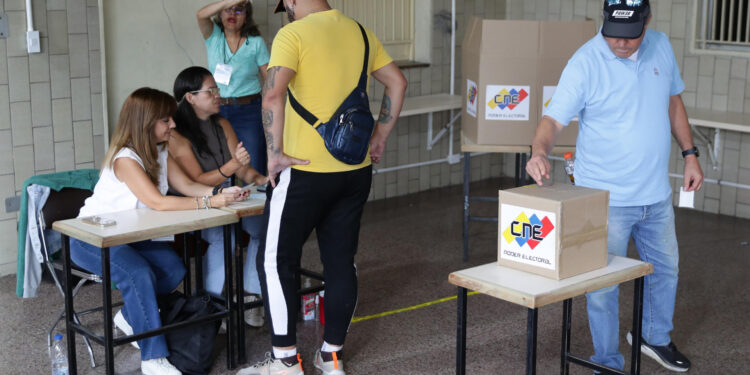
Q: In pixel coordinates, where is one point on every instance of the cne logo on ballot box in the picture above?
(527, 236)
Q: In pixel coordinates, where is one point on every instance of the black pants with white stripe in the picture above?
(330, 203)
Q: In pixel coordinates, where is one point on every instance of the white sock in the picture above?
(284, 353)
(330, 348)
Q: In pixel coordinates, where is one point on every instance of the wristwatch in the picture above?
(691, 151)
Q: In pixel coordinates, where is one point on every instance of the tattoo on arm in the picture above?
(385, 110)
(267, 124)
(270, 79)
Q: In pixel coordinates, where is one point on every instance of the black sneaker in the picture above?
(668, 356)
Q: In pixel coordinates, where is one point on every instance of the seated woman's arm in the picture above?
(246, 172)
(182, 151)
(188, 187)
(132, 174)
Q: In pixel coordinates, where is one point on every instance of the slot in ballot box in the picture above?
(554, 231)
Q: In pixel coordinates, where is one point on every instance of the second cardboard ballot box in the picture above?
(554, 231)
(510, 70)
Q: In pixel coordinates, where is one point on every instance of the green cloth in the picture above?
(79, 178)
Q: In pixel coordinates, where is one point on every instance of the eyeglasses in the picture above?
(235, 10)
(212, 90)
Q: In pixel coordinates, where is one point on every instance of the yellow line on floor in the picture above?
(410, 308)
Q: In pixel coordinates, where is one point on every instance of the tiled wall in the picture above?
(50, 102)
(713, 82)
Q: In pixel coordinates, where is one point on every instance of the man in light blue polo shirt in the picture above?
(625, 85)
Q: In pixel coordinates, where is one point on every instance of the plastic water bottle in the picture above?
(58, 357)
(569, 164)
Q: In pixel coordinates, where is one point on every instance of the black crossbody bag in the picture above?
(347, 134)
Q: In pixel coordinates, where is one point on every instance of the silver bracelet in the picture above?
(205, 201)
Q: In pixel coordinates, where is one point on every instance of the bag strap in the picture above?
(363, 76)
(309, 117)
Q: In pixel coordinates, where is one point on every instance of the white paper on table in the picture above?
(687, 198)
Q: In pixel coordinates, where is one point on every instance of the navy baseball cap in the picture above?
(279, 7)
(625, 18)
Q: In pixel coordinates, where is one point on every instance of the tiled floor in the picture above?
(408, 246)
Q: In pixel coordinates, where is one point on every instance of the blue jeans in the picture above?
(652, 229)
(246, 122)
(141, 270)
(213, 262)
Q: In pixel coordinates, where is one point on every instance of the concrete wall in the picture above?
(711, 82)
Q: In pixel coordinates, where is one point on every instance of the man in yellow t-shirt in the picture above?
(319, 57)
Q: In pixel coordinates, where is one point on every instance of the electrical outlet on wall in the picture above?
(3, 25)
(12, 204)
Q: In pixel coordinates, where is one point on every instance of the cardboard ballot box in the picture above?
(554, 231)
(510, 70)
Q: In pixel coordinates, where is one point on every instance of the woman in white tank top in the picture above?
(137, 172)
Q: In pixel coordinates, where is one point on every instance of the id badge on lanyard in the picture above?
(223, 73)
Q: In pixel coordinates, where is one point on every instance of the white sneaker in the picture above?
(125, 327)
(273, 366)
(158, 366)
(334, 367)
(254, 316)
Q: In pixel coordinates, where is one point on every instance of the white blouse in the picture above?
(113, 195)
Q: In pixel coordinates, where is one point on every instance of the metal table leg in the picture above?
(240, 295)
(467, 177)
(635, 359)
(109, 349)
(186, 286)
(517, 175)
(72, 366)
(461, 333)
(531, 328)
(565, 350)
(229, 304)
(198, 247)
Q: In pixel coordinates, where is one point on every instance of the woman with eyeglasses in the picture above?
(207, 149)
(238, 58)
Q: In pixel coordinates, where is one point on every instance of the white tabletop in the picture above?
(734, 121)
(143, 224)
(249, 207)
(534, 291)
(417, 105)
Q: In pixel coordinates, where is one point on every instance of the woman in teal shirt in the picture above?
(238, 59)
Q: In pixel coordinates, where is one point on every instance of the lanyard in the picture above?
(224, 50)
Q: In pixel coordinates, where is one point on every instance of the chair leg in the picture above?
(75, 316)
(52, 329)
(88, 343)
